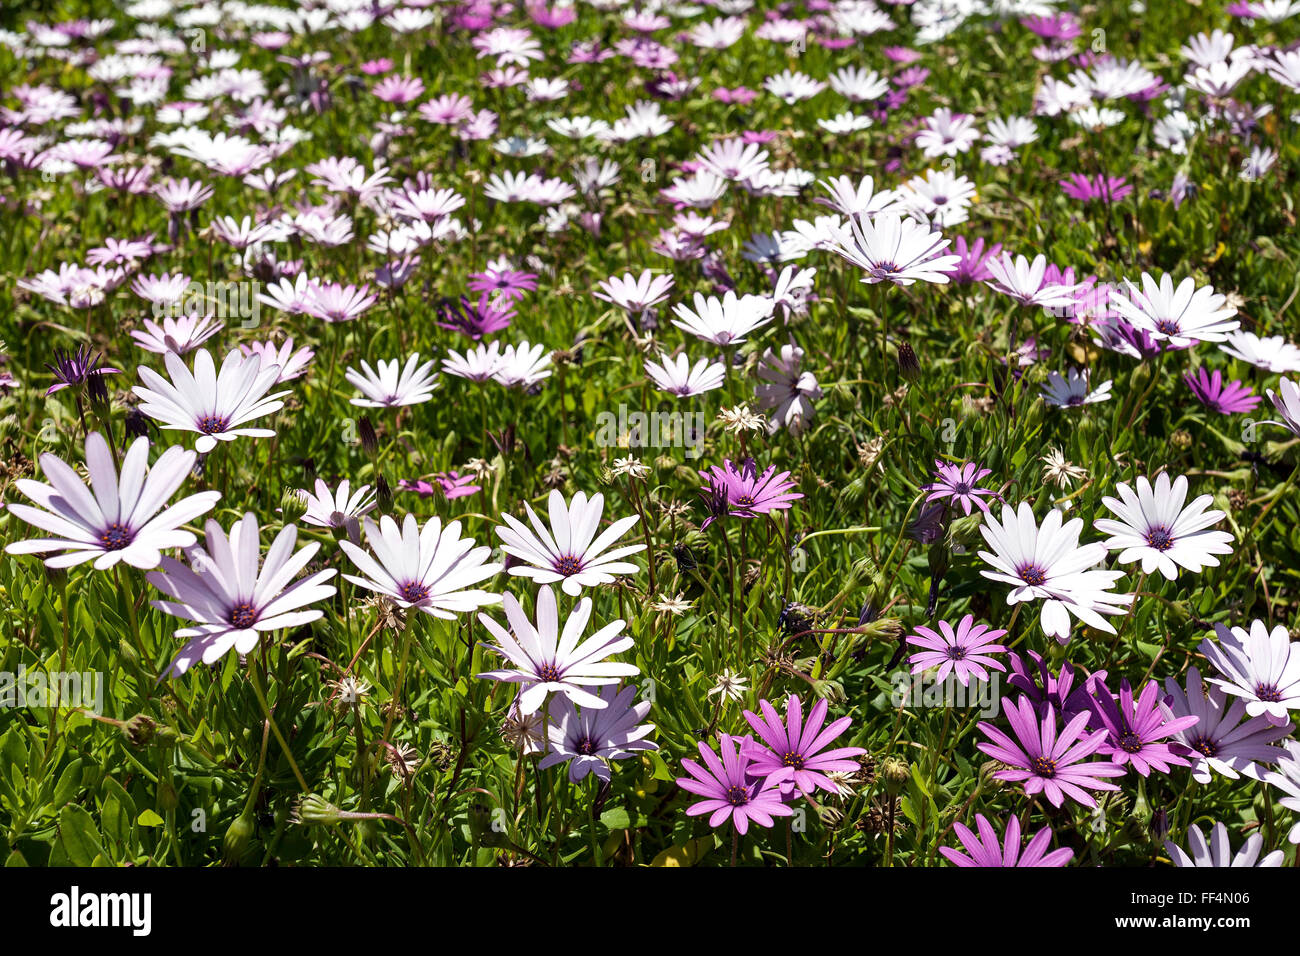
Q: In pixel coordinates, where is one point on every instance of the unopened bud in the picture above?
(293, 505)
(895, 773)
(366, 434)
(909, 366)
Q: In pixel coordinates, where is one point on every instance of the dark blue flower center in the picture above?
(793, 760)
(115, 537)
(1130, 742)
(243, 615)
(413, 592)
(737, 796)
(1268, 693)
(213, 424)
(1033, 575)
(1043, 766)
(569, 564)
(1160, 538)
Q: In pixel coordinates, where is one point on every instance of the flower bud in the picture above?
(909, 366)
(237, 837)
(315, 810)
(293, 505)
(895, 773)
(366, 434)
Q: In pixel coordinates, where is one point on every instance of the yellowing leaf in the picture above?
(685, 855)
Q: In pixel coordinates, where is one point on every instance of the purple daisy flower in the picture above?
(797, 747)
(1221, 742)
(1226, 398)
(987, 850)
(81, 367)
(973, 266)
(963, 652)
(745, 493)
(1094, 188)
(476, 320)
(1047, 762)
(507, 284)
(961, 484)
(730, 790)
(1136, 728)
(1057, 691)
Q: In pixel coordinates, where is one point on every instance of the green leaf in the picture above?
(78, 836)
(149, 819)
(69, 783)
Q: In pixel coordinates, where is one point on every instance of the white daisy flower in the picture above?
(568, 551)
(1273, 353)
(1182, 316)
(431, 568)
(724, 321)
(477, 364)
(1047, 563)
(1260, 666)
(523, 365)
(393, 384)
(1155, 527)
(334, 509)
(233, 596)
(679, 377)
(120, 517)
(547, 660)
(1072, 391)
(214, 404)
(1217, 851)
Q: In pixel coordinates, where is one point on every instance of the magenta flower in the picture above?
(1136, 728)
(963, 652)
(987, 850)
(1093, 188)
(456, 485)
(507, 284)
(1056, 691)
(476, 320)
(961, 484)
(745, 493)
(798, 747)
(1048, 762)
(730, 790)
(1058, 27)
(1226, 398)
(973, 264)
(740, 96)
